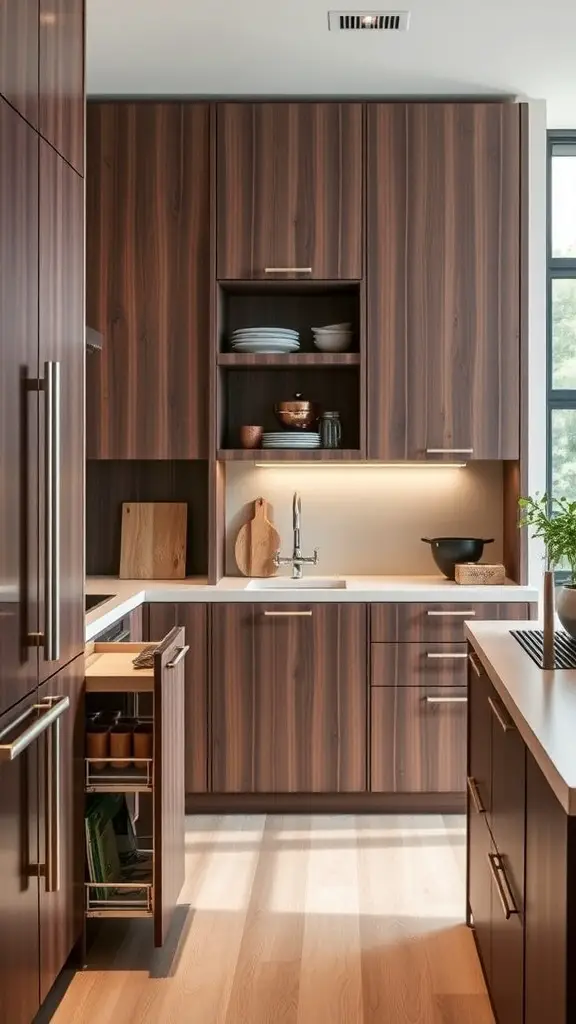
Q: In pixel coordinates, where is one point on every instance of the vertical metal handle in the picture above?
(53, 808)
(502, 885)
(51, 387)
(475, 666)
(501, 716)
(475, 795)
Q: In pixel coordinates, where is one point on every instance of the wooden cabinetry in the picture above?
(289, 190)
(194, 618)
(437, 622)
(19, 56)
(443, 271)
(61, 77)
(148, 279)
(289, 698)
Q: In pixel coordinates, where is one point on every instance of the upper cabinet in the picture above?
(19, 56)
(61, 116)
(443, 271)
(289, 191)
(148, 279)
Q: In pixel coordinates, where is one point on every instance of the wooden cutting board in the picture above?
(153, 545)
(257, 543)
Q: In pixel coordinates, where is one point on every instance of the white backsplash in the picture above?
(369, 520)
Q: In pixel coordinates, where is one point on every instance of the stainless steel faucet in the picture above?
(298, 559)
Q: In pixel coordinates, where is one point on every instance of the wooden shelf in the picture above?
(289, 455)
(295, 359)
(109, 669)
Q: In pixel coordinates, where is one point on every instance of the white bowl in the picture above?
(333, 341)
(333, 327)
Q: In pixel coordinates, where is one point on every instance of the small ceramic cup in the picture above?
(121, 746)
(142, 744)
(97, 745)
(251, 437)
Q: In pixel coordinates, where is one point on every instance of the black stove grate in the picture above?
(532, 640)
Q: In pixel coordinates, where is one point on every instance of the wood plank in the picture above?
(153, 545)
(61, 78)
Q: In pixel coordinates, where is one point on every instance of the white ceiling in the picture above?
(283, 47)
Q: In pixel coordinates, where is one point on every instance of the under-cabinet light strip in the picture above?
(359, 465)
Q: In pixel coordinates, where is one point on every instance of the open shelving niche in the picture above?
(248, 386)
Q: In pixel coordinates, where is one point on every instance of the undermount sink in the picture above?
(306, 583)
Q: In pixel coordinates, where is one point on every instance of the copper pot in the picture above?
(298, 413)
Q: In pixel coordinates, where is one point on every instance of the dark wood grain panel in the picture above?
(169, 687)
(61, 78)
(111, 482)
(18, 407)
(61, 304)
(148, 279)
(514, 541)
(62, 912)
(289, 189)
(137, 628)
(507, 807)
(298, 361)
(289, 698)
(479, 888)
(418, 746)
(479, 737)
(423, 664)
(289, 455)
(19, 56)
(437, 622)
(443, 346)
(194, 618)
(506, 981)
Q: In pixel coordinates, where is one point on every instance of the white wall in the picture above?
(368, 520)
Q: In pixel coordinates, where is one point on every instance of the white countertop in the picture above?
(541, 704)
(129, 594)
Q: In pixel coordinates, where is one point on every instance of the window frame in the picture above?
(556, 269)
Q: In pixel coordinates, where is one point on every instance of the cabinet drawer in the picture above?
(508, 799)
(418, 740)
(506, 976)
(435, 622)
(418, 665)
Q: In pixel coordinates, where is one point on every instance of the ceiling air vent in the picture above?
(382, 21)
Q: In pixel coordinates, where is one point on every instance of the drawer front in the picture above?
(391, 623)
(506, 978)
(418, 740)
(435, 665)
(508, 799)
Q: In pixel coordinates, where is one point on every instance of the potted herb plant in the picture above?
(554, 521)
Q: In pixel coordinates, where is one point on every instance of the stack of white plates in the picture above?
(291, 439)
(263, 340)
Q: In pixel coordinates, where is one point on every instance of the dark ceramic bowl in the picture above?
(448, 552)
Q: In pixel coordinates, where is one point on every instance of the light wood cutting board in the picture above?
(153, 545)
(257, 543)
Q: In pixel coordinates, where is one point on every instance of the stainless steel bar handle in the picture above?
(447, 654)
(475, 795)
(475, 665)
(51, 386)
(182, 652)
(446, 700)
(53, 808)
(441, 615)
(449, 451)
(287, 270)
(49, 711)
(285, 615)
(502, 886)
(501, 717)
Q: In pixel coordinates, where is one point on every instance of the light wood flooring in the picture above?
(299, 920)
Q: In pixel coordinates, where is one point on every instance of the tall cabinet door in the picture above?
(19, 56)
(61, 773)
(289, 190)
(62, 342)
(18, 406)
(289, 689)
(61, 80)
(148, 279)
(443, 280)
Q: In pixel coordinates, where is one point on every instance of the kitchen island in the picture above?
(521, 782)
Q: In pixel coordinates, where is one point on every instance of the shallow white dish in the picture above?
(276, 435)
(254, 332)
(264, 346)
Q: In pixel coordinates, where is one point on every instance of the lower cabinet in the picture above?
(418, 739)
(194, 617)
(289, 698)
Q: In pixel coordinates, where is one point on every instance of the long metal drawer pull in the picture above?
(287, 270)
(285, 615)
(449, 451)
(447, 654)
(501, 717)
(182, 652)
(446, 700)
(53, 809)
(441, 614)
(51, 388)
(475, 795)
(475, 665)
(50, 710)
(502, 886)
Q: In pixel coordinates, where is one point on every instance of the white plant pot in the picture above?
(566, 608)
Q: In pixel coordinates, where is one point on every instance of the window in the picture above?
(561, 286)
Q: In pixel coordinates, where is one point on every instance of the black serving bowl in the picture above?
(448, 552)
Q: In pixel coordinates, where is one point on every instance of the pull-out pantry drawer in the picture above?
(435, 665)
(418, 739)
(409, 623)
